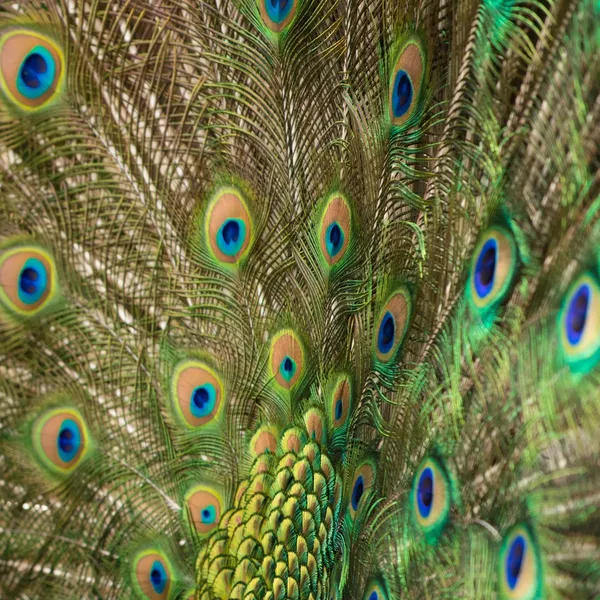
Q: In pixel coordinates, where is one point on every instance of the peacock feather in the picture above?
(299, 299)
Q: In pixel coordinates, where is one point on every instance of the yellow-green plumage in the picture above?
(299, 300)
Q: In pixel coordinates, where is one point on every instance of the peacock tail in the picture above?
(299, 299)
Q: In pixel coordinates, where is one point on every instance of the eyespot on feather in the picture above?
(431, 498)
(277, 14)
(335, 230)
(27, 280)
(375, 590)
(60, 440)
(493, 268)
(392, 324)
(197, 394)
(228, 226)
(519, 567)
(286, 359)
(579, 324)
(152, 575)
(406, 83)
(31, 69)
(204, 508)
(339, 406)
(362, 487)
(342, 402)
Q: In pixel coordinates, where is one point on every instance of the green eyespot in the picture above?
(205, 505)
(392, 325)
(335, 230)
(376, 590)
(492, 272)
(406, 83)
(152, 575)
(61, 440)
(32, 69)
(362, 486)
(27, 280)
(579, 324)
(520, 569)
(196, 393)
(431, 498)
(228, 227)
(286, 359)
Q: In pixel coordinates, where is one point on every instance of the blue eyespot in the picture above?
(431, 495)
(68, 440)
(37, 73)
(231, 236)
(362, 486)
(386, 335)
(286, 359)
(402, 93)
(278, 10)
(204, 504)
(425, 492)
(577, 314)
(158, 577)
(335, 230)
(357, 491)
(485, 268)
(288, 368)
(392, 325)
(33, 281)
(208, 515)
(579, 324)
(376, 589)
(203, 401)
(493, 269)
(334, 239)
(520, 565)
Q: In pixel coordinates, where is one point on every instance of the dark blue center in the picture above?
(28, 281)
(339, 409)
(577, 314)
(231, 231)
(33, 68)
(514, 561)
(402, 94)
(374, 596)
(200, 397)
(206, 513)
(288, 365)
(68, 440)
(33, 281)
(485, 269)
(158, 577)
(65, 440)
(425, 492)
(335, 238)
(357, 492)
(387, 330)
(335, 235)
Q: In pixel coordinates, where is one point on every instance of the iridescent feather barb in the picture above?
(299, 300)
